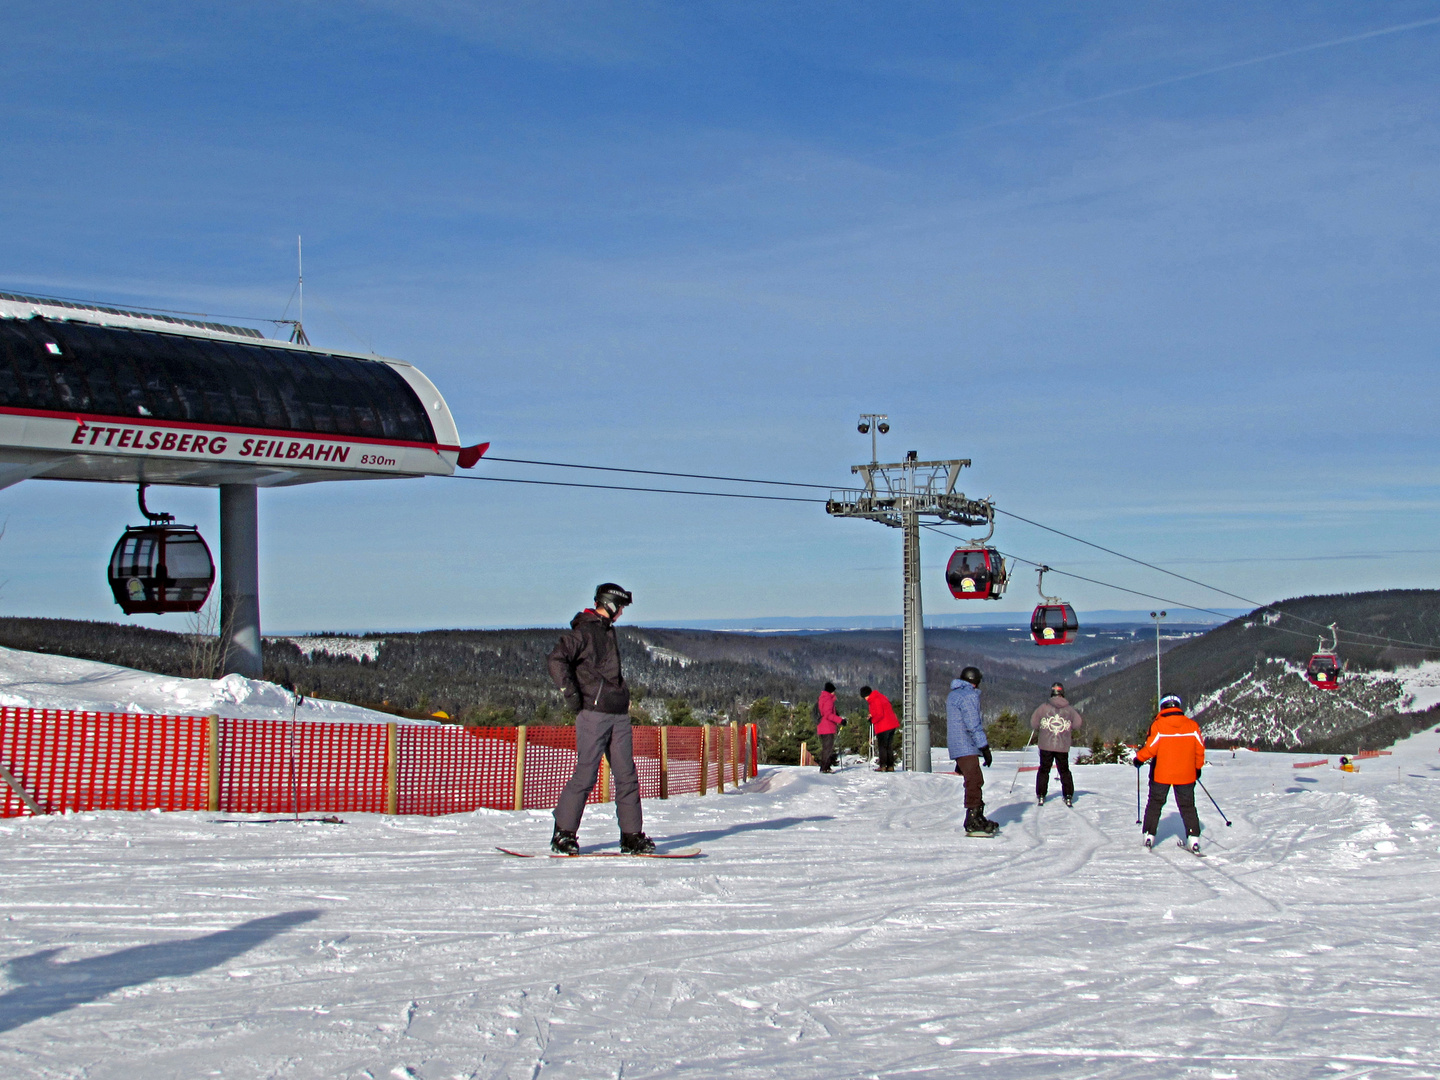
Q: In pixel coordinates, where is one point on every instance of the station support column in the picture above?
(240, 580)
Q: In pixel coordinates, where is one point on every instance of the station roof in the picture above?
(74, 367)
(90, 365)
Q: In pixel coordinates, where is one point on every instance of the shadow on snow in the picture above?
(47, 987)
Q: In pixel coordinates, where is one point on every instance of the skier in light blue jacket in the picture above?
(965, 736)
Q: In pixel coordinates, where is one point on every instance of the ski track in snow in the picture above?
(838, 926)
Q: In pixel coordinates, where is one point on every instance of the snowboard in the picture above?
(683, 853)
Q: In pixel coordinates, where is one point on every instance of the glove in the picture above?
(1138, 763)
(1197, 776)
(985, 753)
(573, 703)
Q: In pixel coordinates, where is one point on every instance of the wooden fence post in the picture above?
(604, 779)
(664, 763)
(735, 753)
(704, 759)
(212, 763)
(720, 760)
(392, 770)
(520, 767)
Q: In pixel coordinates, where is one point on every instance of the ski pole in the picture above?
(296, 698)
(1214, 803)
(1022, 762)
(1137, 796)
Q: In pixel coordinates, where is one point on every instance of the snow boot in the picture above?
(1069, 800)
(977, 824)
(636, 843)
(1149, 842)
(1040, 800)
(1193, 843)
(564, 842)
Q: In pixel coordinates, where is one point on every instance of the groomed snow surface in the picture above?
(837, 926)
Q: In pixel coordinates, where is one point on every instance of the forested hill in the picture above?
(498, 676)
(1243, 678)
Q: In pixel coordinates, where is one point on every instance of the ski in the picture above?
(983, 835)
(683, 853)
(1186, 848)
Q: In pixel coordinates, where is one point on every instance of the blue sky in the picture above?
(1166, 272)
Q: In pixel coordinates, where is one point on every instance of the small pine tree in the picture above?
(1006, 732)
(782, 730)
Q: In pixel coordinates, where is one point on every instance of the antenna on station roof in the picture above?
(297, 325)
(297, 335)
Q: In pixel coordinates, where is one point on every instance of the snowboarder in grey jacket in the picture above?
(965, 737)
(1055, 724)
(585, 667)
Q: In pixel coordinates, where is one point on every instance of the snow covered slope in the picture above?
(837, 926)
(41, 681)
(1274, 703)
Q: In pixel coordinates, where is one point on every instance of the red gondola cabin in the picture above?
(1324, 671)
(160, 567)
(1054, 624)
(976, 574)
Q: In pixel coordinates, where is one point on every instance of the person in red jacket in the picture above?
(1178, 752)
(884, 721)
(830, 722)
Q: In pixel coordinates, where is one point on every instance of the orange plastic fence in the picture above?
(121, 761)
(270, 766)
(102, 761)
(1310, 764)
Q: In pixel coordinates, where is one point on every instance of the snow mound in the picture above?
(41, 681)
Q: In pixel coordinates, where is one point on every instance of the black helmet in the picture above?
(1057, 689)
(612, 596)
(971, 675)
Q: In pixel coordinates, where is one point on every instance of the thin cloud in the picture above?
(1204, 73)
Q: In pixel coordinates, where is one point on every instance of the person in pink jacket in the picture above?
(830, 722)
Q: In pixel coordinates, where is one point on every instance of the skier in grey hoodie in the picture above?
(1055, 722)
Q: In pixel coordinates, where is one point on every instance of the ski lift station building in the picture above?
(102, 394)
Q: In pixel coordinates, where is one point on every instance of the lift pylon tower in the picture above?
(899, 495)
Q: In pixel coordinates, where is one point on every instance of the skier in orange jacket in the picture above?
(1178, 752)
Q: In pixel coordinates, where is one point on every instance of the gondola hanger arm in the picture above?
(153, 518)
(1040, 587)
